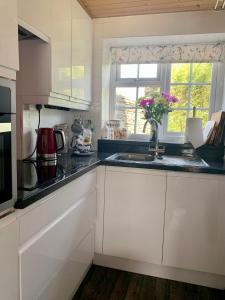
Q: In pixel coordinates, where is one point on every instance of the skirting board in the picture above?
(193, 277)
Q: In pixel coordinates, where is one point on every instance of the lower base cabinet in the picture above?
(194, 235)
(54, 260)
(9, 273)
(67, 280)
(134, 214)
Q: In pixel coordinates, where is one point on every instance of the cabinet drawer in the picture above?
(45, 255)
(52, 206)
(69, 278)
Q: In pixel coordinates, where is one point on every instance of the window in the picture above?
(191, 82)
(131, 82)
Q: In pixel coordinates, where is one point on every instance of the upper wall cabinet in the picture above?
(9, 62)
(35, 13)
(64, 68)
(60, 34)
(81, 53)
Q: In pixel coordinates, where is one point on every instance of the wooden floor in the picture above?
(109, 284)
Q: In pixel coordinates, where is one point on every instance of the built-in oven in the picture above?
(8, 185)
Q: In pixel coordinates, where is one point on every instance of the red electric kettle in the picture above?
(47, 146)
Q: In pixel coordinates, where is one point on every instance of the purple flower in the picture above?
(169, 98)
(147, 102)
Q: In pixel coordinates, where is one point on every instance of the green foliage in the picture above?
(197, 94)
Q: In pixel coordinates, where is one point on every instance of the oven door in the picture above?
(6, 181)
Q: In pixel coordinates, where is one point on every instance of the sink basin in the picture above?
(134, 157)
(166, 160)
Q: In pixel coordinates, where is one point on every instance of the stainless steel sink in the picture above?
(134, 157)
(169, 160)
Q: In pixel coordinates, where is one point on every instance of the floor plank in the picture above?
(110, 284)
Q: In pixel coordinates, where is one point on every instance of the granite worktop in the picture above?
(36, 180)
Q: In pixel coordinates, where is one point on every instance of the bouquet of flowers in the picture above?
(157, 106)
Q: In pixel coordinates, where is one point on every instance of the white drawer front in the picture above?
(70, 276)
(45, 255)
(54, 205)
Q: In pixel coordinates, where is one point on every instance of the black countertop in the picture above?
(37, 181)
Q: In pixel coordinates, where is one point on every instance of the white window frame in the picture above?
(163, 81)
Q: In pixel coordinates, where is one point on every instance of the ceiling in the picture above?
(115, 8)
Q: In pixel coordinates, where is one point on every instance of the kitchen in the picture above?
(112, 215)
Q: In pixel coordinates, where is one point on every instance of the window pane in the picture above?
(128, 71)
(147, 91)
(148, 70)
(127, 118)
(200, 95)
(202, 72)
(180, 91)
(180, 73)
(140, 123)
(204, 115)
(126, 96)
(177, 121)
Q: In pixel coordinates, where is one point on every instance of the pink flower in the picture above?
(169, 98)
(147, 102)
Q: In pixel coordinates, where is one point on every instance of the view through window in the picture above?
(190, 82)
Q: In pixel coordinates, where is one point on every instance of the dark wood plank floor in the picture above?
(109, 284)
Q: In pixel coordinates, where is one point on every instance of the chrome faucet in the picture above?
(155, 128)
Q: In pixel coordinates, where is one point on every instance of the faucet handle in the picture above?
(157, 151)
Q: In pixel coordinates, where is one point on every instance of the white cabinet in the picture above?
(35, 13)
(82, 28)
(9, 271)
(53, 253)
(65, 62)
(9, 59)
(134, 214)
(195, 222)
(60, 34)
(53, 18)
(56, 252)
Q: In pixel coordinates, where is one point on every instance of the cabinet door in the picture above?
(9, 273)
(82, 27)
(195, 223)
(50, 255)
(60, 34)
(9, 56)
(134, 214)
(35, 13)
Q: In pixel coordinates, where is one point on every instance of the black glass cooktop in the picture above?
(34, 174)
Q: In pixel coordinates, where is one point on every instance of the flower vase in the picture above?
(154, 128)
(153, 131)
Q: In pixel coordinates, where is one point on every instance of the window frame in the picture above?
(163, 81)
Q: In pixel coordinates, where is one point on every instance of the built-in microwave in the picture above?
(8, 184)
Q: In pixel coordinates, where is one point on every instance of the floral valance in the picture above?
(169, 53)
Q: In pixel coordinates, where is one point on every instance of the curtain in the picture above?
(169, 53)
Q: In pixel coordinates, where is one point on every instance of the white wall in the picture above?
(188, 23)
